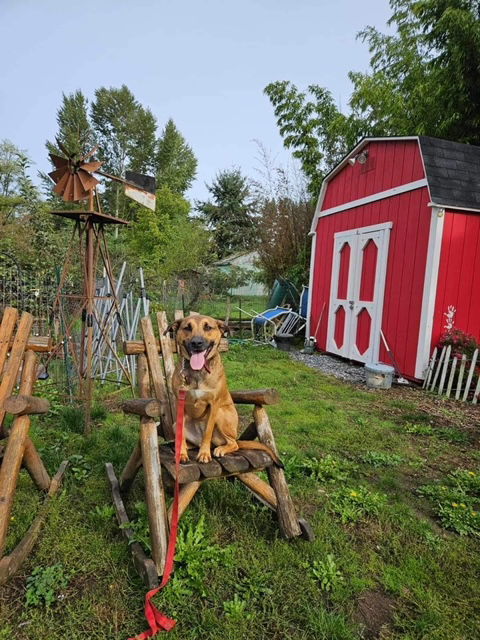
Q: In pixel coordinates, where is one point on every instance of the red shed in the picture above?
(395, 247)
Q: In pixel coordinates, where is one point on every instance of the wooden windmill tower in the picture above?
(75, 182)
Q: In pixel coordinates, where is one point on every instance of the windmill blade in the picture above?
(91, 166)
(58, 161)
(57, 174)
(77, 188)
(60, 186)
(87, 180)
(68, 193)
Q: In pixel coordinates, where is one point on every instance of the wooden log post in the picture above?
(146, 407)
(12, 458)
(35, 467)
(131, 468)
(155, 496)
(12, 366)
(260, 489)
(287, 517)
(168, 360)
(257, 396)
(7, 328)
(134, 347)
(185, 496)
(23, 404)
(157, 377)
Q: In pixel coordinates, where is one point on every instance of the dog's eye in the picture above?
(188, 327)
(207, 327)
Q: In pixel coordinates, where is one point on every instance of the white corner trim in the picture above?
(451, 206)
(409, 186)
(310, 283)
(429, 290)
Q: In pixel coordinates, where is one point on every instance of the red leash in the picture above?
(157, 620)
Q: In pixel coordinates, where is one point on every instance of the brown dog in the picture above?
(210, 414)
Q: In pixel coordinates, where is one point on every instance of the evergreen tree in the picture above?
(232, 214)
(74, 128)
(176, 164)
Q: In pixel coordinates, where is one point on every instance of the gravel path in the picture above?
(342, 369)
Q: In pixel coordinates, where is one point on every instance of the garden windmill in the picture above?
(75, 182)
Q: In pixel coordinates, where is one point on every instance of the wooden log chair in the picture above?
(155, 367)
(18, 357)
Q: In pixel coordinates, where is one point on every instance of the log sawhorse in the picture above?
(17, 354)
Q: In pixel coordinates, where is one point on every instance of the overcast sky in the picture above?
(202, 62)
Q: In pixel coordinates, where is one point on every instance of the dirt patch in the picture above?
(374, 612)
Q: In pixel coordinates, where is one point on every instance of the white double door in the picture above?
(356, 295)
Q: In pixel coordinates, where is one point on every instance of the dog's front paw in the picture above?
(184, 456)
(219, 452)
(204, 456)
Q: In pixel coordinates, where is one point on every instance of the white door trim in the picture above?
(429, 290)
(354, 283)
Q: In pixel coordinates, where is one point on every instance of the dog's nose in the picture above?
(197, 344)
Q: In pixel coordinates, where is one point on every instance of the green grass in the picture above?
(355, 469)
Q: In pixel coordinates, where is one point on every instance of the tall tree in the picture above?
(423, 79)
(232, 213)
(125, 132)
(74, 128)
(176, 164)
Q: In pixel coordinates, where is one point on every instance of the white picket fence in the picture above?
(442, 375)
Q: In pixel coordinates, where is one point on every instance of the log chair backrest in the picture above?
(157, 356)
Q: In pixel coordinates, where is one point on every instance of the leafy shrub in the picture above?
(80, 469)
(352, 504)
(419, 429)
(456, 501)
(379, 459)
(196, 555)
(44, 584)
(461, 343)
(236, 609)
(326, 469)
(326, 573)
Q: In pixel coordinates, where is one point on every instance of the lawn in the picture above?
(376, 473)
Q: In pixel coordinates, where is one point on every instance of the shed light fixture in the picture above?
(361, 158)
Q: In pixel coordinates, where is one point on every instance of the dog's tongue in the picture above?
(197, 360)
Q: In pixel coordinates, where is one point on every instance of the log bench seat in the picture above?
(233, 464)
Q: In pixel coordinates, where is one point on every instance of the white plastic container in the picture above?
(379, 376)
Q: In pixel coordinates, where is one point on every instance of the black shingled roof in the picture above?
(452, 171)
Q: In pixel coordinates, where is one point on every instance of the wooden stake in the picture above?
(260, 489)
(287, 517)
(35, 467)
(168, 360)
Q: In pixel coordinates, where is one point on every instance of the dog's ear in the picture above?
(224, 328)
(172, 327)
